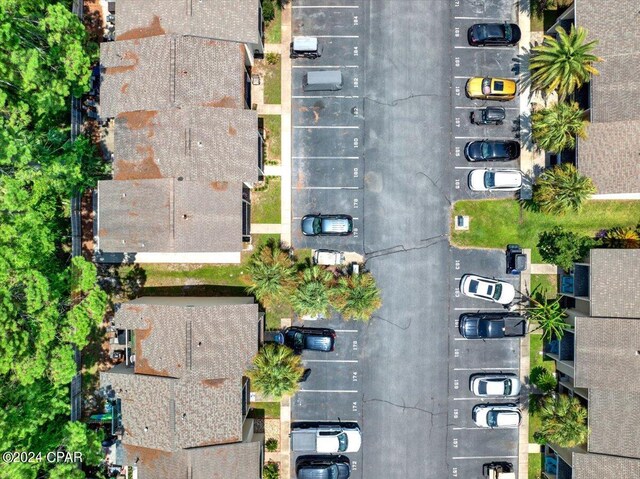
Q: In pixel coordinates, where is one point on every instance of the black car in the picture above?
(492, 325)
(492, 150)
(488, 34)
(491, 115)
(323, 467)
(314, 339)
(326, 225)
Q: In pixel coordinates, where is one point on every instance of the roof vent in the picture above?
(180, 178)
(146, 429)
(185, 217)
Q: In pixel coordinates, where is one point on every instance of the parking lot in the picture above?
(332, 391)
(327, 164)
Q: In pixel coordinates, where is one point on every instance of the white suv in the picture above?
(497, 415)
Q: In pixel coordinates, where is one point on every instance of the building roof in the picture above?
(240, 460)
(233, 20)
(168, 215)
(599, 466)
(207, 341)
(606, 353)
(615, 276)
(170, 414)
(201, 143)
(610, 155)
(170, 71)
(614, 416)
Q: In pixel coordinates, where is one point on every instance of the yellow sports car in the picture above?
(491, 89)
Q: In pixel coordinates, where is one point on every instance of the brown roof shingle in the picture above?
(614, 416)
(600, 466)
(615, 276)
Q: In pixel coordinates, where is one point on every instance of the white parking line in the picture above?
(325, 157)
(486, 369)
(315, 420)
(346, 330)
(478, 107)
(337, 36)
(476, 138)
(493, 76)
(474, 167)
(477, 309)
(465, 167)
(500, 20)
(507, 279)
(325, 66)
(325, 6)
(469, 428)
(326, 96)
(301, 127)
(346, 391)
(468, 399)
(480, 49)
(325, 188)
(329, 360)
(300, 217)
(484, 457)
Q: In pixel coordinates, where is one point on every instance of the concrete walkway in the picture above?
(285, 127)
(269, 109)
(265, 229)
(272, 170)
(544, 268)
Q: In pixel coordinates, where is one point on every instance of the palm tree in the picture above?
(543, 379)
(357, 296)
(276, 371)
(564, 63)
(622, 237)
(561, 189)
(549, 316)
(563, 421)
(272, 273)
(556, 128)
(312, 294)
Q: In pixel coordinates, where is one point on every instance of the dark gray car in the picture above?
(492, 150)
(491, 115)
(323, 467)
(327, 225)
(314, 339)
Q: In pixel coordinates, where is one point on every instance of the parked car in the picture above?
(486, 288)
(323, 467)
(488, 34)
(488, 179)
(492, 150)
(501, 89)
(492, 325)
(328, 257)
(305, 47)
(491, 115)
(326, 438)
(498, 470)
(497, 415)
(312, 339)
(327, 225)
(485, 385)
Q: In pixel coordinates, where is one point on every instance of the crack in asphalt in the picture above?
(404, 328)
(402, 249)
(434, 183)
(404, 407)
(400, 100)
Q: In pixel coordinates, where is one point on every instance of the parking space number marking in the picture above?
(355, 345)
(454, 472)
(457, 91)
(355, 203)
(355, 173)
(355, 51)
(355, 82)
(456, 353)
(355, 20)
(355, 235)
(456, 60)
(457, 264)
(455, 442)
(354, 377)
(457, 151)
(455, 414)
(355, 143)
(456, 384)
(354, 406)
(457, 183)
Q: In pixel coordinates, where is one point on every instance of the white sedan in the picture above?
(485, 385)
(496, 415)
(488, 179)
(486, 288)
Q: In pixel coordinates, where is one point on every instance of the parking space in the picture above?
(327, 164)
(332, 391)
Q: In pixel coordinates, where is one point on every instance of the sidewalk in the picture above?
(285, 126)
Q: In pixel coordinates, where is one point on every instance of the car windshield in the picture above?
(473, 286)
(485, 150)
(342, 442)
(498, 85)
(497, 292)
(298, 340)
(482, 387)
(508, 33)
(317, 225)
(507, 387)
(492, 419)
(489, 179)
(333, 472)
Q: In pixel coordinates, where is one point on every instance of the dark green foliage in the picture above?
(271, 470)
(543, 379)
(271, 444)
(563, 248)
(268, 10)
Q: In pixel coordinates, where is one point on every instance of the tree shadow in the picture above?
(121, 286)
(200, 290)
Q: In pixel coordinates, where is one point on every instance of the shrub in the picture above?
(268, 10)
(271, 470)
(276, 371)
(543, 379)
(563, 248)
(272, 58)
(356, 296)
(271, 444)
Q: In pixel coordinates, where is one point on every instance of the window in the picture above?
(489, 179)
(342, 442)
(498, 85)
(497, 292)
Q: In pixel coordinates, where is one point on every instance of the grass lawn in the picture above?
(273, 30)
(272, 127)
(495, 223)
(159, 275)
(265, 205)
(534, 426)
(275, 314)
(269, 410)
(545, 283)
(535, 465)
(536, 357)
(542, 21)
(272, 82)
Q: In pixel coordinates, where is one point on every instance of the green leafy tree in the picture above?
(563, 248)
(563, 64)
(543, 379)
(356, 296)
(268, 10)
(563, 421)
(311, 296)
(561, 189)
(549, 317)
(276, 371)
(556, 128)
(272, 274)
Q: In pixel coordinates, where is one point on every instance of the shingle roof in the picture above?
(610, 155)
(207, 341)
(606, 353)
(615, 276)
(614, 416)
(192, 143)
(170, 71)
(241, 460)
(171, 414)
(234, 20)
(168, 215)
(599, 466)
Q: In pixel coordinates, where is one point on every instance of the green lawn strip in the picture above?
(273, 30)
(259, 240)
(275, 313)
(272, 127)
(535, 465)
(270, 410)
(536, 357)
(547, 283)
(534, 426)
(495, 223)
(265, 205)
(159, 275)
(272, 83)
